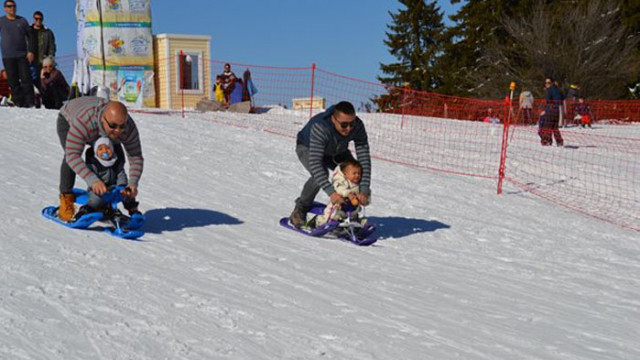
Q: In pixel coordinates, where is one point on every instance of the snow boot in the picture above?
(84, 210)
(132, 207)
(67, 208)
(298, 217)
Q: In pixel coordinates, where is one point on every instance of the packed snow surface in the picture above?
(457, 273)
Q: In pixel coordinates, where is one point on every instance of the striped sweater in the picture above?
(84, 115)
(323, 141)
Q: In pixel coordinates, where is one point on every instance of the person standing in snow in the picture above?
(217, 90)
(81, 121)
(570, 102)
(550, 117)
(44, 45)
(322, 144)
(526, 105)
(228, 82)
(17, 52)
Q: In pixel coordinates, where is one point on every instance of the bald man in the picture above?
(81, 121)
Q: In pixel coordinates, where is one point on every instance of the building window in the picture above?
(190, 72)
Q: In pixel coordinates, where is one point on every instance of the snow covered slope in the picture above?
(459, 273)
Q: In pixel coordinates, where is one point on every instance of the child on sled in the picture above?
(346, 181)
(104, 161)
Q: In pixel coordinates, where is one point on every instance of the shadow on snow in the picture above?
(174, 219)
(397, 227)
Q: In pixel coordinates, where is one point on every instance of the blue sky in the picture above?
(343, 37)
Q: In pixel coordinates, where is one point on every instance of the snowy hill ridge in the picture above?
(458, 273)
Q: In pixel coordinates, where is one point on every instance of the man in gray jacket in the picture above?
(321, 145)
(17, 53)
(81, 121)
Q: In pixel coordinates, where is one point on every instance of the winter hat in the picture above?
(104, 141)
(48, 61)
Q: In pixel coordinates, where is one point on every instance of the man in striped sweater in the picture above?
(80, 122)
(322, 144)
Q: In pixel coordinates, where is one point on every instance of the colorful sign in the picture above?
(117, 44)
(120, 11)
(130, 87)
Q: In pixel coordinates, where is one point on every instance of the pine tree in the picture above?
(631, 18)
(478, 23)
(583, 43)
(415, 39)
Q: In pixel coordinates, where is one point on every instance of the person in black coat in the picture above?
(551, 115)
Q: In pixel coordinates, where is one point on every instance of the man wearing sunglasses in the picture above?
(322, 144)
(17, 52)
(45, 45)
(81, 121)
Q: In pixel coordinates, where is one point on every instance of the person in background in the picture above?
(217, 90)
(17, 52)
(44, 45)
(5, 89)
(236, 93)
(55, 89)
(561, 114)
(526, 105)
(583, 113)
(549, 119)
(570, 102)
(491, 118)
(228, 82)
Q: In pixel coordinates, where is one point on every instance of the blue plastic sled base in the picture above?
(363, 237)
(83, 223)
(51, 213)
(122, 226)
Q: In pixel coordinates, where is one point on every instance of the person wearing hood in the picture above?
(81, 121)
(107, 163)
(322, 144)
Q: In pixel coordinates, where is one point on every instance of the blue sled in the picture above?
(352, 232)
(51, 213)
(121, 226)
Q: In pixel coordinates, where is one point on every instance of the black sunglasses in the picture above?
(115, 126)
(346, 124)
(37, 19)
(9, 6)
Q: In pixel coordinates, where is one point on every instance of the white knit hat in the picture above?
(104, 141)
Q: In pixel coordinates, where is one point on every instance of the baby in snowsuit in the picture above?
(104, 161)
(346, 180)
